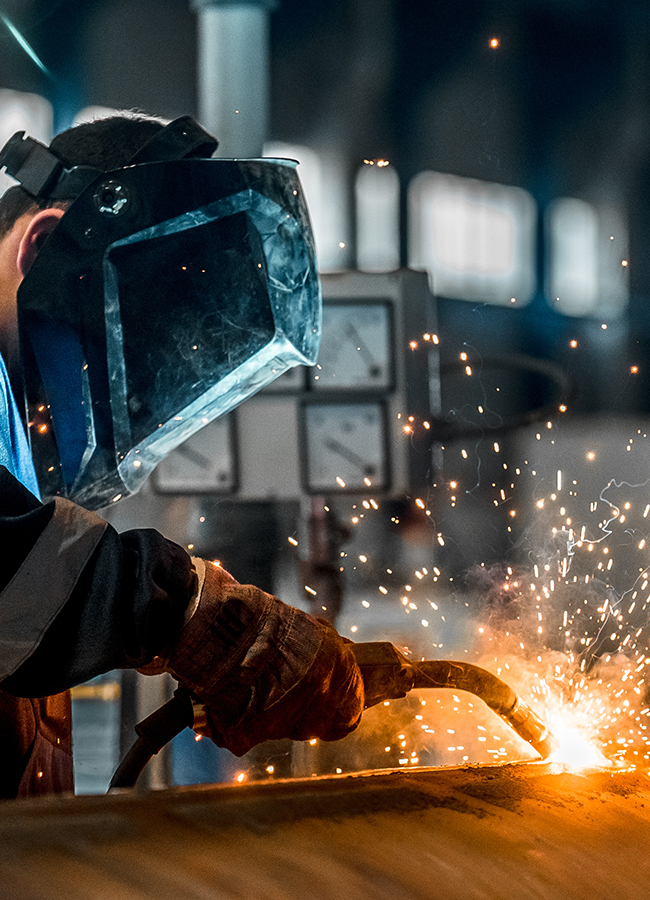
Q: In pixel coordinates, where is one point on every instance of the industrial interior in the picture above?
(464, 473)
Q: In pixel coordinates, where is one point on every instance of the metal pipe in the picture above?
(233, 73)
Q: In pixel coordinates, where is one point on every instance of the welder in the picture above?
(77, 599)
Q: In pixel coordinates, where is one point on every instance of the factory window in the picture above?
(30, 113)
(586, 259)
(476, 240)
(323, 178)
(377, 217)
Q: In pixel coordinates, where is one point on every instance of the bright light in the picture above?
(575, 750)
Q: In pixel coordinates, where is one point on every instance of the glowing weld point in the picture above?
(495, 42)
(575, 750)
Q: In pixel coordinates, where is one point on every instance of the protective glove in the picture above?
(262, 669)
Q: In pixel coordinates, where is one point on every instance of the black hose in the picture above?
(154, 732)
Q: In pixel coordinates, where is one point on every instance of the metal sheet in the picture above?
(526, 831)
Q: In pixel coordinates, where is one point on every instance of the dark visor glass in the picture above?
(179, 290)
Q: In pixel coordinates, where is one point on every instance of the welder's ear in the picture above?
(38, 230)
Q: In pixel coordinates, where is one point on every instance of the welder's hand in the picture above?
(265, 670)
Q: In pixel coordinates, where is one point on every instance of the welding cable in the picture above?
(153, 733)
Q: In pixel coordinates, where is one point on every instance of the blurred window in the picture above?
(586, 259)
(323, 179)
(377, 217)
(475, 239)
(30, 113)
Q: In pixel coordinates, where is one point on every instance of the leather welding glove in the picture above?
(262, 669)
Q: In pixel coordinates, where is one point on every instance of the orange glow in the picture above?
(495, 42)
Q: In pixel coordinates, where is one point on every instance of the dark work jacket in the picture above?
(77, 599)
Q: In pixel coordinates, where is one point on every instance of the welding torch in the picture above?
(387, 675)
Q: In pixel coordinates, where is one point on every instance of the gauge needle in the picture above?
(345, 452)
(362, 347)
(194, 456)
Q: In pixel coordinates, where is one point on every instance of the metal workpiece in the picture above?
(522, 832)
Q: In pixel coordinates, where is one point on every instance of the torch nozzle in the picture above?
(532, 728)
(388, 675)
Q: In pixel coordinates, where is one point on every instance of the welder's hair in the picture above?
(104, 144)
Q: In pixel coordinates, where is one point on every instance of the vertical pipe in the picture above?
(233, 73)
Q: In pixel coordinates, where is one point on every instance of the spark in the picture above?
(29, 50)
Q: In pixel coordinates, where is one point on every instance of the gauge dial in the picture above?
(204, 463)
(345, 446)
(355, 351)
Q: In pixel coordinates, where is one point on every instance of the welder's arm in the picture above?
(264, 670)
(77, 599)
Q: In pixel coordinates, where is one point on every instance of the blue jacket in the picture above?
(76, 599)
(14, 449)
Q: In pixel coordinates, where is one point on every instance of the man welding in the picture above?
(95, 269)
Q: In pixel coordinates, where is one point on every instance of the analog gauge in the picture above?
(204, 463)
(355, 351)
(345, 446)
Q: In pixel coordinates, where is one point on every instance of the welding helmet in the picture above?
(170, 291)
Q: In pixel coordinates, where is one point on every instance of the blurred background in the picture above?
(478, 178)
